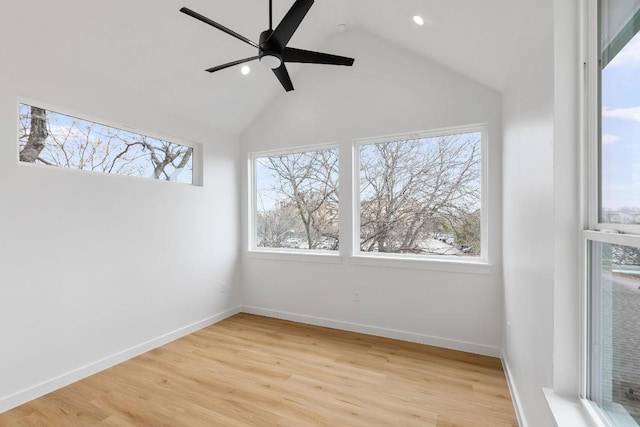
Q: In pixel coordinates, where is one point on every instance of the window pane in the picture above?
(422, 196)
(615, 331)
(297, 200)
(620, 125)
(615, 27)
(54, 139)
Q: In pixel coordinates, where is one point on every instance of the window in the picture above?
(615, 288)
(295, 200)
(612, 268)
(421, 194)
(54, 139)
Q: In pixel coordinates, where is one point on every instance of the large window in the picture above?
(54, 139)
(295, 200)
(620, 100)
(613, 238)
(421, 195)
(415, 197)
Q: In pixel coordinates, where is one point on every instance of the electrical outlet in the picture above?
(356, 296)
(508, 329)
(223, 287)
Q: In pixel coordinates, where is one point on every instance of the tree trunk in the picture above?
(37, 136)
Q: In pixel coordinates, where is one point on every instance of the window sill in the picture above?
(469, 266)
(327, 257)
(571, 411)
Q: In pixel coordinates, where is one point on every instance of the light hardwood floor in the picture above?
(256, 371)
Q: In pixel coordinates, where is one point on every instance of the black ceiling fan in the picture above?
(272, 48)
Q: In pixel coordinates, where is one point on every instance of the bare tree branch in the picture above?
(307, 185)
(412, 191)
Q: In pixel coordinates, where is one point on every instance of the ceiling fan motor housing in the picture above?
(269, 52)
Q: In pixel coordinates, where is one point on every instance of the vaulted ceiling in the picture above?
(159, 55)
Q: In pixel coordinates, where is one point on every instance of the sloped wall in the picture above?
(387, 91)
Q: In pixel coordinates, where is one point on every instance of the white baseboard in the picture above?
(48, 386)
(515, 398)
(377, 331)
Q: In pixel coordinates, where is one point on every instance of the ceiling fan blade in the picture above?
(230, 64)
(283, 75)
(289, 24)
(299, 55)
(221, 27)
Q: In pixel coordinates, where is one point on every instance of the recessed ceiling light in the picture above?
(418, 20)
(245, 70)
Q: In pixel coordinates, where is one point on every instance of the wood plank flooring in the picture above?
(256, 371)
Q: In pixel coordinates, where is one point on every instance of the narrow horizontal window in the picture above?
(54, 139)
(296, 200)
(422, 195)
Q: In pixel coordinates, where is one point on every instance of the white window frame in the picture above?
(594, 230)
(288, 254)
(479, 264)
(197, 155)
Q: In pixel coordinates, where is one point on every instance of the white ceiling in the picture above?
(149, 49)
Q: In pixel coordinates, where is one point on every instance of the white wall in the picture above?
(387, 91)
(94, 267)
(568, 219)
(528, 217)
(541, 208)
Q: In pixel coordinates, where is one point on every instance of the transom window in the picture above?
(421, 194)
(54, 139)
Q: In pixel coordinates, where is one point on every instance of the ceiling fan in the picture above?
(272, 47)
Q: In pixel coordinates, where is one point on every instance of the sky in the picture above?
(621, 129)
(266, 179)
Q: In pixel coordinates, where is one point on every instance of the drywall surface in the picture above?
(528, 215)
(568, 220)
(95, 266)
(387, 91)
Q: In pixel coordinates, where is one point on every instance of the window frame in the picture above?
(255, 251)
(197, 171)
(594, 231)
(480, 264)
